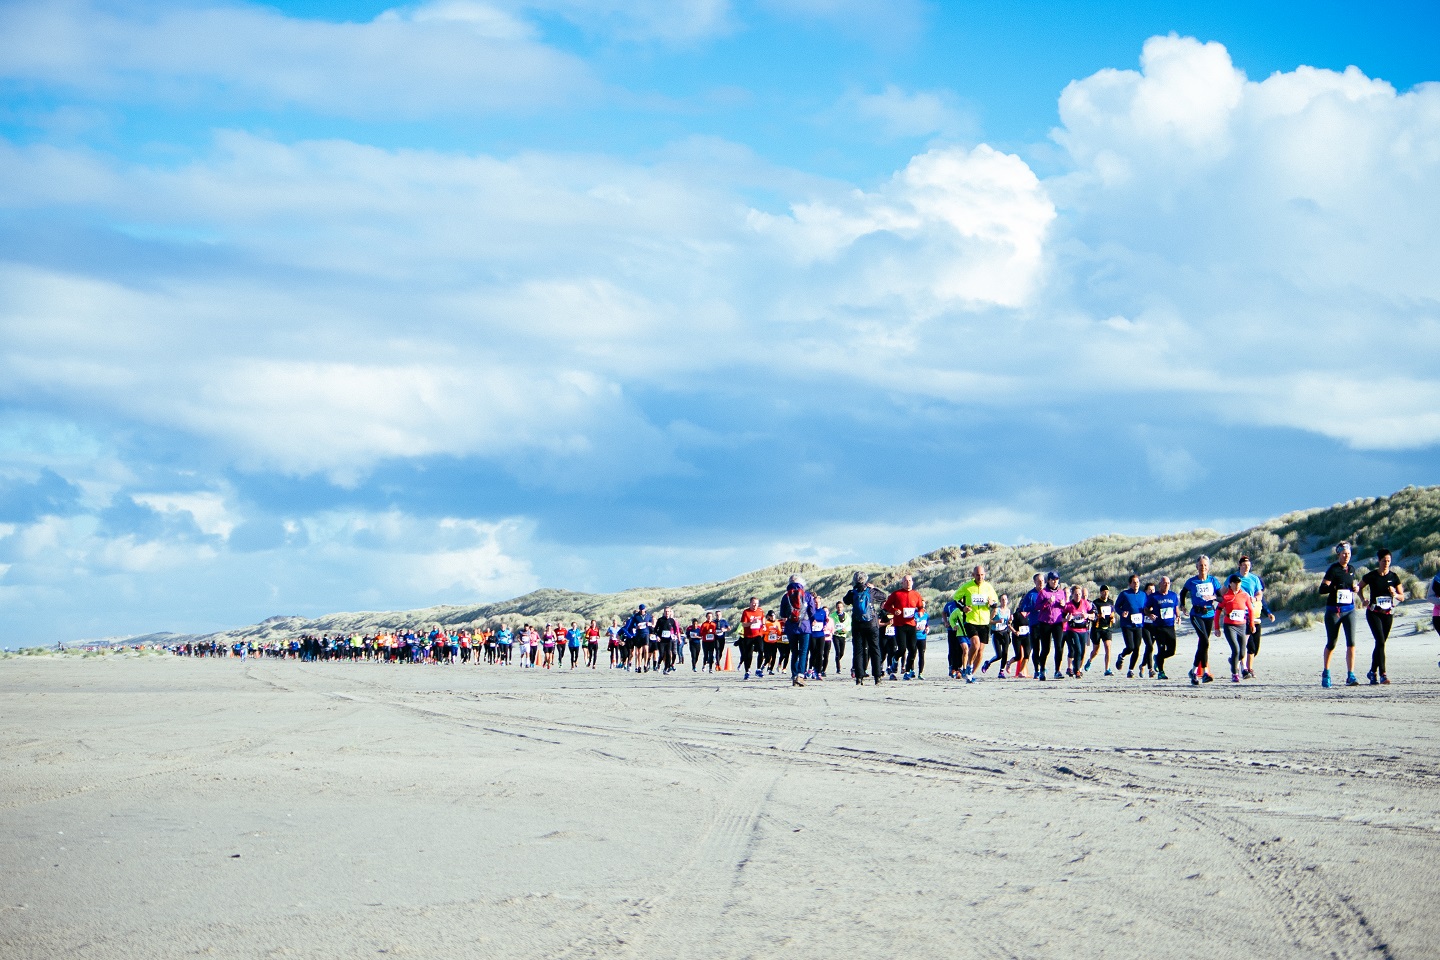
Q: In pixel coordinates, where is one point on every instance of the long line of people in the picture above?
(1053, 631)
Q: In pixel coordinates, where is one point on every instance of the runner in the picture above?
(840, 625)
(1251, 583)
(752, 637)
(667, 628)
(1104, 623)
(1045, 624)
(820, 631)
(922, 638)
(797, 613)
(575, 639)
(1236, 614)
(696, 638)
(592, 644)
(1201, 592)
(902, 605)
(977, 599)
(1382, 587)
(865, 604)
(1079, 615)
(615, 640)
(638, 629)
(1000, 632)
(707, 641)
(957, 652)
(722, 632)
(1338, 587)
(771, 644)
(1163, 608)
(1025, 618)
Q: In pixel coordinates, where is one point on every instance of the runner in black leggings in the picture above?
(1130, 611)
(1382, 588)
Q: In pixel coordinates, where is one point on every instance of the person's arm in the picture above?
(1398, 591)
(1183, 594)
(1325, 581)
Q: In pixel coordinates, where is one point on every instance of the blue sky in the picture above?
(321, 306)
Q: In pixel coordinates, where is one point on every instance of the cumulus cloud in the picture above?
(452, 56)
(1284, 229)
(955, 227)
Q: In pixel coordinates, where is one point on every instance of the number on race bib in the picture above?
(1167, 613)
(1137, 618)
(1344, 598)
(1022, 631)
(908, 612)
(1206, 590)
(1237, 616)
(1384, 603)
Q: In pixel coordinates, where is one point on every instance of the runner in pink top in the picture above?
(1079, 613)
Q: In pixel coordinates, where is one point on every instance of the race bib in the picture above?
(1105, 610)
(1205, 590)
(1137, 618)
(889, 631)
(1022, 631)
(1167, 613)
(1344, 598)
(665, 634)
(908, 612)
(1384, 603)
(1237, 616)
(1078, 622)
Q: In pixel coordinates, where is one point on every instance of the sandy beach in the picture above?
(156, 807)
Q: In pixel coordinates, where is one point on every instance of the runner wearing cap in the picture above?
(1235, 614)
(637, 629)
(1046, 624)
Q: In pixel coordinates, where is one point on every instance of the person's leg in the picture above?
(1332, 634)
(920, 658)
(1347, 622)
(1379, 624)
(1165, 648)
(1147, 636)
(1202, 627)
(1235, 635)
(839, 652)
(799, 654)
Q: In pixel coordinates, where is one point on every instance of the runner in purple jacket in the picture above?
(1045, 624)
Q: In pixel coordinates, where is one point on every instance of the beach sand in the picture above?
(159, 807)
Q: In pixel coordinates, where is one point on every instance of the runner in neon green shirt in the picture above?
(977, 598)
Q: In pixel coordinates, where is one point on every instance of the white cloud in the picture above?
(919, 114)
(208, 510)
(971, 227)
(438, 58)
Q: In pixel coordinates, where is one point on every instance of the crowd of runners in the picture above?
(1054, 631)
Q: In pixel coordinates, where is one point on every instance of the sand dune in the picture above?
(160, 807)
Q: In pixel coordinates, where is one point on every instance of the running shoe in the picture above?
(1350, 680)
(1207, 678)
(1001, 674)
(1088, 662)
(759, 673)
(1040, 675)
(1234, 678)
(970, 678)
(797, 681)
(1162, 675)
(747, 675)
(1384, 680)
(1119, 661)
(1194, 677)
(1371, 677)
(1152, 674)
(1109, 672)
(1325, 679)
(1129, 674)
(1244, 674)
(986, 665)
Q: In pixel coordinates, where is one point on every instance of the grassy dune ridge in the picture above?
(1290, 553)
